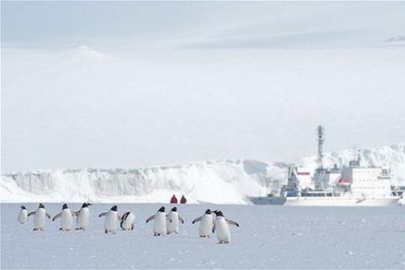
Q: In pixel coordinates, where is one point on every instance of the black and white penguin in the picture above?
(127, 221)
(206, 224)
(111, 220)
(66, 218)
(222, 228)
(40, 217)
(159, 224)
(83, 217)
(23, 215)
(173, 220)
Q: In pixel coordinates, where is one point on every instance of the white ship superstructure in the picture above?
(355, 184)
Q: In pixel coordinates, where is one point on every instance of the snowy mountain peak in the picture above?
(84, 53)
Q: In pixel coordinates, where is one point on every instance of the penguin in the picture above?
(82, 221)
(206, 224)
(39, 219)
(127, 221)
(159, 224)
(23, 216)
(173, 220)
(66, 218)
(111, 220)
(222, 228)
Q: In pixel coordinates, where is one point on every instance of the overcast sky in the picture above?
(75, 22)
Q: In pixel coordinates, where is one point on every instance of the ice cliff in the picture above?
(226, 182)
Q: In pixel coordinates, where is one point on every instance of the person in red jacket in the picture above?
(173, 199)
(183, 199)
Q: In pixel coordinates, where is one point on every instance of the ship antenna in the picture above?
(321, 140)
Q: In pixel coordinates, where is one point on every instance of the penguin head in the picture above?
(161, 209)
(23, 207)
(174, 209)
(208, 212)
(64, 206)
(41, 205)
(86, 205)
(219, 214)
(215, 212)
(114, 208)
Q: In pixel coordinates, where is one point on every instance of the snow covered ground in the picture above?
(268, 237)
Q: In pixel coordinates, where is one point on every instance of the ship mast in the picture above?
(320, 171)
(321, 140)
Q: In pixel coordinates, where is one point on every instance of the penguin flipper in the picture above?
(231, 222)
(57, 216)
(181, 219)
(73, 213)
(48, 216)
(32, 213)
(150, 218)
(196, 220)
(102, 214)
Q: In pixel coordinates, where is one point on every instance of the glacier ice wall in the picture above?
(207, 181)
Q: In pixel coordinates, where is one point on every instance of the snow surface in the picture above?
(221, 182)
(268, 237)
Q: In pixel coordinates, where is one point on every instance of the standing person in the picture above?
(173, 199)
(183, 199)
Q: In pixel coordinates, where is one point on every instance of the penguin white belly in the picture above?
(111, 221)
(66, 220)
(222, 230)
(23, 216)
(127, 223)
(206, 224)
(173, 223)
(159, 224)
(83, 219)
(39, 219)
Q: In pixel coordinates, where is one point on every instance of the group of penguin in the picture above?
(163, 224)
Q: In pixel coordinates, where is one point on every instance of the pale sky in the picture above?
(124, 84)
(76, 22)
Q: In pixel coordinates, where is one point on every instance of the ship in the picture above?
(355, 184)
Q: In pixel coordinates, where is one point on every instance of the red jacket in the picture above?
(173, 199)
